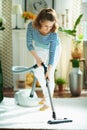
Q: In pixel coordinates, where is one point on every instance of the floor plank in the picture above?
(9, 92)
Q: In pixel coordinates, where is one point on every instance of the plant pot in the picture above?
(60, 88)
(77, 53)
(75, 81)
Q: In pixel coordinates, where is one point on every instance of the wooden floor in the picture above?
(9, 92)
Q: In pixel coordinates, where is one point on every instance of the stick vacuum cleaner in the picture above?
(54, 121)
(18, 69)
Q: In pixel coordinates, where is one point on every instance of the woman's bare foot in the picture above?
(42, 101)
(44, 107)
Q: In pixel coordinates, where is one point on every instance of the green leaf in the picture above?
(80, 36)
(60, 81)
(68, 31)
(75, 62)
(72, 32)
(78, 21)
(2, 28)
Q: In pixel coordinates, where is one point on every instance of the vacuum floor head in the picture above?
(58, 121)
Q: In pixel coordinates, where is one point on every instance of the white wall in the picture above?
(60, 7)
(20, 22)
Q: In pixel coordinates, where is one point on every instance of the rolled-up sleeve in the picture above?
(30, 37)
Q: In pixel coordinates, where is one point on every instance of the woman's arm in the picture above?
(30, 44)
(53, 44)
(38, 59)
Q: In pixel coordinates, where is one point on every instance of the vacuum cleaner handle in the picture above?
(22, 69)
(35, 66)
(45, 68)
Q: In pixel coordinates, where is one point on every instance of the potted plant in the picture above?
(28, 17)
(60, 83)
(75, 63)
(77, 52)
(76, 39)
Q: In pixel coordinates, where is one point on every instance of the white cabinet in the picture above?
(21, 54)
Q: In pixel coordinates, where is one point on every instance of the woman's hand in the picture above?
(48, 72)
(38, 61)
(47, 75)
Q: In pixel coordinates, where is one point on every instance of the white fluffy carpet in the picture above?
(14, 116)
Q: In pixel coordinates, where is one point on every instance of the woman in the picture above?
(43, 43)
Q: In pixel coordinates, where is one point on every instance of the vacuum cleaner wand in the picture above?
(53, 112)
(54, 121)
